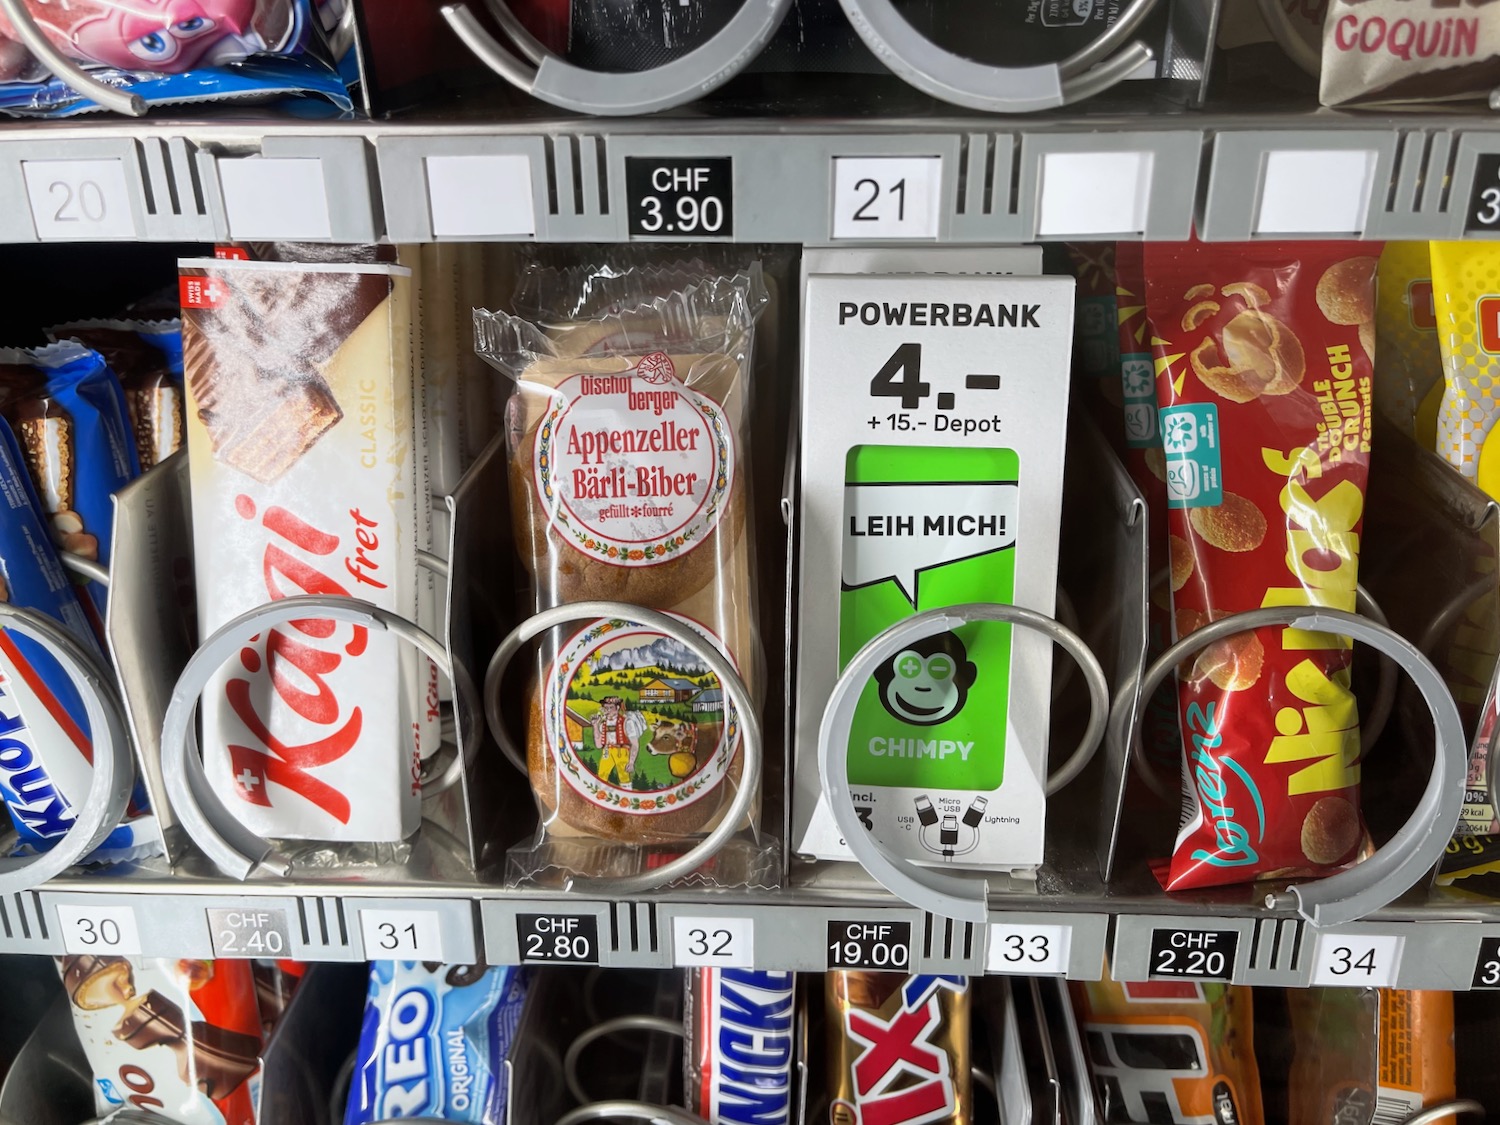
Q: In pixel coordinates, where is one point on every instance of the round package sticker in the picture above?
(634, 468)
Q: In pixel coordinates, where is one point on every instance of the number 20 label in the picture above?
(402, 935)
(1356, 960)
(727, 942)
(79, 199)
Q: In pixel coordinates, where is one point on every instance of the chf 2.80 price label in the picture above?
(558, 939)
(679, 198)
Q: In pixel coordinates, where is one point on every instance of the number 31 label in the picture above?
(1356, 960)
(1033, 950)
(402, 935)
(728, 942)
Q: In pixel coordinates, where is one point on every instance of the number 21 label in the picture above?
(1356, 960)
(401, 935)
(728, 942)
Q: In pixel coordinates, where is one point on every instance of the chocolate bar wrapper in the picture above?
(737, 1065)
(275, 982)
(898, 1048)
(74, 434)
(434, 1042)
(146, 356)
(301, 448)
(46, 749)
(179, 1039)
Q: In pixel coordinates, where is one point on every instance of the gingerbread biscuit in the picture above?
(1330, 831)
(1346, 291)
(1233, 664)
(1235, 524)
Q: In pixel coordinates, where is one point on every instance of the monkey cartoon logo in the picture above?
(929, 682)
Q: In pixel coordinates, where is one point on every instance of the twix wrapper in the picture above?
(301, 434)
(1263, 361)
(898, 1048)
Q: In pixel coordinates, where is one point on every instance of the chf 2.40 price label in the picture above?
(558, 939)
(1194, 954)
(869, 945)
(668, 197)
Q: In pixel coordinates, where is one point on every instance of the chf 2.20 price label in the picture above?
(558, 939)
(869, 945)
(1194, 954)
(669, 197)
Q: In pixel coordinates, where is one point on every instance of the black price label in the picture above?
(249, 932)
(1484, 196)
(1487, 964)
(680, 197)
(558, 939)
(869, 945)
(1194, 954)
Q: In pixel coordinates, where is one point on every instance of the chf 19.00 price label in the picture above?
(869, 945)
(1194, 954)
(672, 197)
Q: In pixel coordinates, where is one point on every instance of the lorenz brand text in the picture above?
(939, 314)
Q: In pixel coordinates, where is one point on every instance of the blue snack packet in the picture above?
(434, 1041)
(46, 748)
(74, 434)
(212, 50)
(146, 356)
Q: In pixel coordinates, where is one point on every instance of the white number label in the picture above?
(887, 196)
(1340, 205)
(402, 935)
(99, 929)
(480, 196)
(1032, 950)
(729, 942)
(1072, 204)
(275, 198)
(1359, 960)
(79, 199)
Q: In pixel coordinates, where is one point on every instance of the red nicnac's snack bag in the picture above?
(1263, 357)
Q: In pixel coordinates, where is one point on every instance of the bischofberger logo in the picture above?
(751, 1029)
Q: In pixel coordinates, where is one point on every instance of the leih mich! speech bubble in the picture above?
(902, 533)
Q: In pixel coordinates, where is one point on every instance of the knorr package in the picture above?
(1368, 1054)
(1466, 293)
(1263, 361)
(1171, 1051)
(1408, 379)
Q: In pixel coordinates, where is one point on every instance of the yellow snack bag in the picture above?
(1409, 368)
(1466, 293)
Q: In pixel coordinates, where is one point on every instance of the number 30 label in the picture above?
(99, 929)
(402, 935)
(1032, 950)
(725, 942)
(1356, 960)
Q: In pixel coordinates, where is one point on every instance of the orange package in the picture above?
(1171, 1051)
(1368, 1054)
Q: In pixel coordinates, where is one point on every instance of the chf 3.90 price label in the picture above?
(668, 197)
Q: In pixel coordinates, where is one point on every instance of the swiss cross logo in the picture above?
(231, 253)
(1487, 314)
(202, 292)
(902, 1076)
(1420, 309)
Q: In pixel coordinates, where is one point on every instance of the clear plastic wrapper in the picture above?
(172, 53)
(628, 439)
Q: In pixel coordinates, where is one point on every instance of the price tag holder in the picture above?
(1031, 950)
(79, 199)
(878, 197)
(99, 929)
(1345, 179)
(727, 942)
(402, 935)
(1356, 960)
(1072, 204)
(486, 196)
(250, 932)
(1193, 954)
(679, 197)
(275, 197)
(1487, 964)
(869, 945)
(558, 939)
(1483, 216)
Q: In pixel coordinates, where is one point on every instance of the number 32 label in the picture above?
(727, 942)
(402, 935)
(1356, 960)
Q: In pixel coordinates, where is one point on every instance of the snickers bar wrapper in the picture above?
(740, 1045)
(434, 1041)
(898, 1048)
(179, 1039)
(300, 429)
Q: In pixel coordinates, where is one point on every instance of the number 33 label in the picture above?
(1356, 960)
(1033, 950)
(721, 942)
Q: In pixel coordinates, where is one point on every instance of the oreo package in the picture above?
(740, 1045)
(46, 749)
(434, 1041)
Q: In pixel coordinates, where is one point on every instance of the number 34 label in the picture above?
(1033, 950)
(727, 942)
(1356, 960)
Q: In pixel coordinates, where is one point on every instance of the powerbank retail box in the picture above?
(932, 472)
